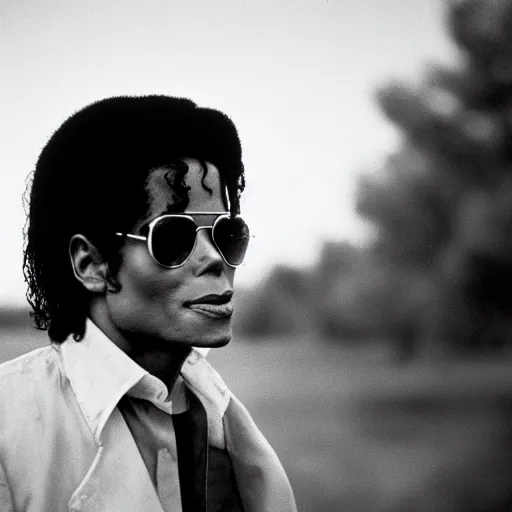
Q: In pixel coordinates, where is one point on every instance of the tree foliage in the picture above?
(439, 275)
(444, 209)
(278, 306)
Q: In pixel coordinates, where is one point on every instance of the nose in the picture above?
(206, 253)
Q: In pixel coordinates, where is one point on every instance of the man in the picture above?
(134, 235)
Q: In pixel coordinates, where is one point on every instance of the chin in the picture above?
(213, 339)
(213, 343)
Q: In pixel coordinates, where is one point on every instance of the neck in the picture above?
(162, 360)
(162, 363)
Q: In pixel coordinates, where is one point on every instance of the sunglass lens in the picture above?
(231, 234)
(173, 239)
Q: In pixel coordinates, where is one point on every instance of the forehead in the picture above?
(167, 186)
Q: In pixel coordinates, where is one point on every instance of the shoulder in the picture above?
(33, 398)
(30, 374)
(34, 361)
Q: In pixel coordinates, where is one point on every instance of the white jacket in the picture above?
(64, 445)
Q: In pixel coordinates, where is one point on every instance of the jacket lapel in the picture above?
(118, 479)
(260, 477)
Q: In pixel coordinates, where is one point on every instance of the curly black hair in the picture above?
(90, 179)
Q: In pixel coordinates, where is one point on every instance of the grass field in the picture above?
(358, 433)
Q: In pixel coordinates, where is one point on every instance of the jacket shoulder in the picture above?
(21, 375)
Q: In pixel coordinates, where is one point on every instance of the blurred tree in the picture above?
(438, 276)
(335, 258)
(443, 203)
(278, 306)
(298, 301)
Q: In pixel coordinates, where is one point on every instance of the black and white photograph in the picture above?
(256, 256)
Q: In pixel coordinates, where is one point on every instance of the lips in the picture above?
(213, 306)
(212, 299)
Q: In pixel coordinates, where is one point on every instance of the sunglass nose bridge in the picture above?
(212, 245)
(210, 235)
(199, 228)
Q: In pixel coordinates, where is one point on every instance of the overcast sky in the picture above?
(297, 78)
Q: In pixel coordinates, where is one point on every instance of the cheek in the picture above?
(142, 280)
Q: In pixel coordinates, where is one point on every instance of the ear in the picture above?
(88, 264)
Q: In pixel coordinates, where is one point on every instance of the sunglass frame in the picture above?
(149, 239)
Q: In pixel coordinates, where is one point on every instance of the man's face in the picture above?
(155, 301)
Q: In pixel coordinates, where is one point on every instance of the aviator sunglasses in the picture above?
(172, 238)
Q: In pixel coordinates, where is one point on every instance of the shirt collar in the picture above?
(100, 374)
